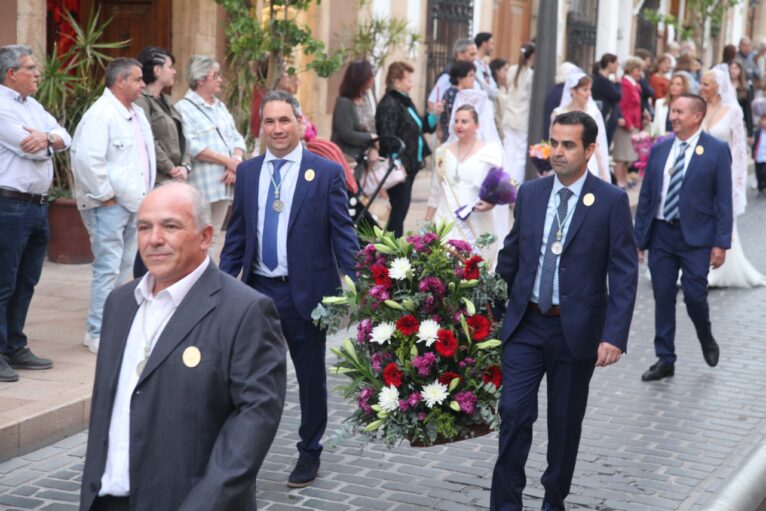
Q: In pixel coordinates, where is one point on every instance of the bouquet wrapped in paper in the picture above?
(498, 187)
(642, 144)
(540, 155)
(423, 364)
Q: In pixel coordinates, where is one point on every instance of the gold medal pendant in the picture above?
(278, 205)
(556, 248)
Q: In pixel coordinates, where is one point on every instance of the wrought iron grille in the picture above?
(581, 32)
(448, 21)
(646, 32)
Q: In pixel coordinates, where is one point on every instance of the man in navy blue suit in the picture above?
(572, 236)
(288, 234)
(684, 218)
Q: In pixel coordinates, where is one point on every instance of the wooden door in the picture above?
(511, 28)
(144, 22)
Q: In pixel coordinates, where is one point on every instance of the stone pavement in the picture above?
(659, 446)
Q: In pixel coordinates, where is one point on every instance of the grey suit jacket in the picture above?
(198, 435)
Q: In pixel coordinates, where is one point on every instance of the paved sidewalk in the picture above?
(659, 446)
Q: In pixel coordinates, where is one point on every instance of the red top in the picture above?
(630, 104)
(660, 85)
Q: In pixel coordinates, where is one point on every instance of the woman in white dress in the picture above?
(515, 97)
(576, 96)
(724, 120)
(461, 166)
(679, 84)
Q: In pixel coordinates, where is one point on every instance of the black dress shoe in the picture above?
(304, 473)
(658, 371)
(710, 351)
(23, 358)
(7, 374)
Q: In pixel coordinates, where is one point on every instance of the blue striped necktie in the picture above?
(670, 211)
(271, 220)
(548, 272)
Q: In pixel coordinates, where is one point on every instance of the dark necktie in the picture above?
(271, 219)
(545, 298)
(670, 211)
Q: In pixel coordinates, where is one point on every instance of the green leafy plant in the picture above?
(260, 52)
(699, 14)
(71, 81)
(376, 37)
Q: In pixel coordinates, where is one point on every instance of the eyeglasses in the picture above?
(215, 76)
(31, 68)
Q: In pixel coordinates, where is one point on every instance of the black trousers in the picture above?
(109, 503)
(399, 196)
(760, 174)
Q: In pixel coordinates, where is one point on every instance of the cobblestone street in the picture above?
(658, 446)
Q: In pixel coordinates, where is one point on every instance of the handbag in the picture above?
(376, 173)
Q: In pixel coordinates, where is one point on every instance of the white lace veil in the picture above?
(725, 88)
(573, 77)
(738, 137)
(484, 107)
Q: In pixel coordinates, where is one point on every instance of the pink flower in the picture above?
(432, 285)
(467, 401)
(363, 331)
(423, 363)
(364, 398)
(378, 359)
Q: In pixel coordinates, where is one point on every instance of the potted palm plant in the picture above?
(71, 81)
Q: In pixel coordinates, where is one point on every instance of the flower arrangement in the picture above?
(642, 144)
(540, 155)
(498, 187)
(423, 365)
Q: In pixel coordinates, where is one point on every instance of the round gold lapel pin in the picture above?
(700, 150)
(309, 175)
(192, 356)
(589, 199)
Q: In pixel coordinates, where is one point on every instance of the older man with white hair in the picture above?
(114, 167)
(28, 138)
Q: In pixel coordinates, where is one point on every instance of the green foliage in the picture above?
(71, 81)
(260, 52)
(375, 38)
(700, 12)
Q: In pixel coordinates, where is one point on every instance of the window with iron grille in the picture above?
(581, 33)
(448, 21)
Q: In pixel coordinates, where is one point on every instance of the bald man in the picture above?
(190, 377)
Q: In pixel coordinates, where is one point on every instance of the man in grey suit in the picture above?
(190, 376)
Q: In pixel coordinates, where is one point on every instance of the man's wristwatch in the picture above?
(51, 139)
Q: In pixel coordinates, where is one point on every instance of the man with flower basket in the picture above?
(571, 237)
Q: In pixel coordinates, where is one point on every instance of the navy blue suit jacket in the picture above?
(705, 208)
(320, 234)
(599, 247)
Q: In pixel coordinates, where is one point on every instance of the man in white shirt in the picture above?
(463, 49)
(190, 378)
(485, 45)
(113, 163)
(28, 138)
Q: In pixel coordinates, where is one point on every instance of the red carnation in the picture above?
(446, 343)
(472, 268)
(480, 326)
(448, 376)
(493, 374)
(380, 275)
(408, 325)
(392, 375)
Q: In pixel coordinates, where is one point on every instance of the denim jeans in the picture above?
(112, 231)
(23, 241)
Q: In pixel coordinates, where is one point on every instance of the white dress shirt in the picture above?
(692, 141)
(21, 171)
(550, 214)
(289, 174)
(153, 314)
